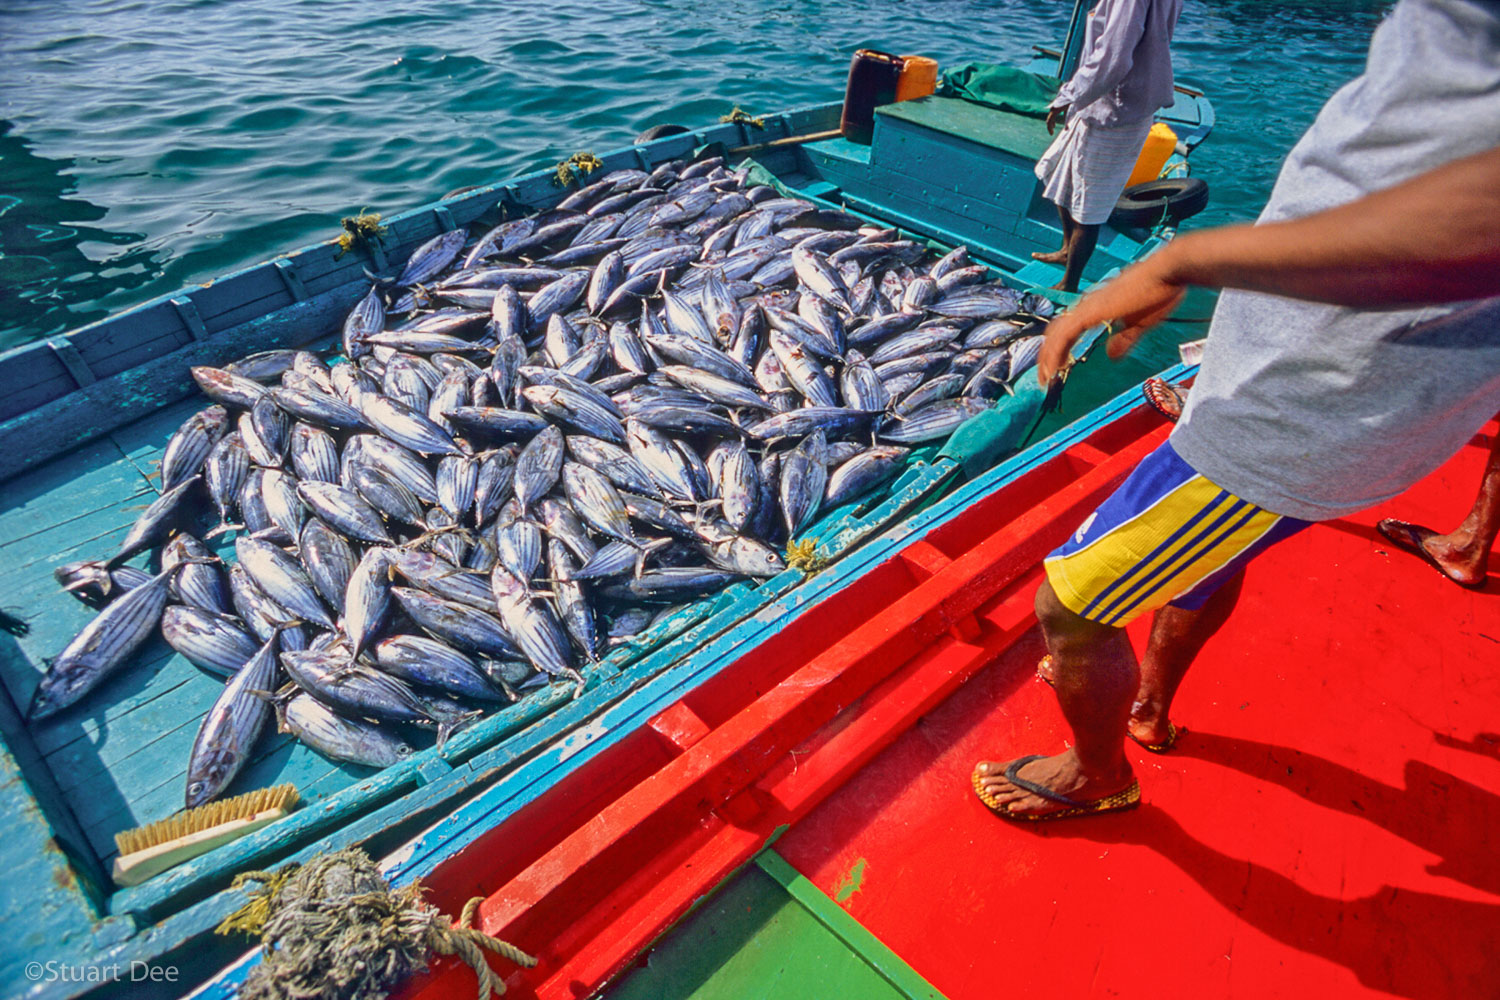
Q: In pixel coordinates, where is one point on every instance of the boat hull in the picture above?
(83, 419)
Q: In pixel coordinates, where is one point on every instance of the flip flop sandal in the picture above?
(1127, 798)
(1159, 391)
(1173, 731)
(1404, 535)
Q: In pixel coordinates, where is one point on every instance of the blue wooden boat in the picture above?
(83, 417)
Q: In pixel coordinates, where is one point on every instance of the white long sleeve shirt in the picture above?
(1125, 70)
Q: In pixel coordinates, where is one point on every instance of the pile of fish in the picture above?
(529, 445)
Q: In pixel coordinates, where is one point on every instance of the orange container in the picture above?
(918, 78)
(1160, 142)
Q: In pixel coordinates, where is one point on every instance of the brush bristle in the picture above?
(206, 816)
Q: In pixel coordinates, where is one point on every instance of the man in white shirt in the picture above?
(1123, 76)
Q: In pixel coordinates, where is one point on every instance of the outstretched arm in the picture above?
(1432, 239)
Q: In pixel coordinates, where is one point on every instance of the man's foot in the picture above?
(1045, 671)
(1456, 558)
(1065, 286)
(1157, 735)
(1148, 722)
(1051, 256)
(1060, 775)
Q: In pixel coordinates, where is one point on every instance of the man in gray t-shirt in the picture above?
(1357, 349)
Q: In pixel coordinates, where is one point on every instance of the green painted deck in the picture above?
(1003, 131)
(955, 172)
(771, 934)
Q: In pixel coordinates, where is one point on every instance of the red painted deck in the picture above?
(1323, 830)
(1330, 825)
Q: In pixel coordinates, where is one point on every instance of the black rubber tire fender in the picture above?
(660, 132)
(1170, 200)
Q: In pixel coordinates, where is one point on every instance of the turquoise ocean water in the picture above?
(145, 146)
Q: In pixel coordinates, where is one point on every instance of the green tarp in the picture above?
(1005, 87)
(983, 440)
(758, 174)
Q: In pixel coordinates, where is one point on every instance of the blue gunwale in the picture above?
(507, 759)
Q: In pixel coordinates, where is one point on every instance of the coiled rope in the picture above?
(334, 929)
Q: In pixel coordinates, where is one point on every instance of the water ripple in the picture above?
(153, 145)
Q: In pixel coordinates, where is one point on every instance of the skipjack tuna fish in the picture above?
(529, 442)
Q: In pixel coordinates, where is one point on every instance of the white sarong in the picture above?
(1087, 165)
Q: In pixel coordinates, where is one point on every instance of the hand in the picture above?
(1055, 116)
(1140, 297)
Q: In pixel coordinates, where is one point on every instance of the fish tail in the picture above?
(13, 624)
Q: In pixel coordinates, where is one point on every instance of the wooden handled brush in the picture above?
(150, 850)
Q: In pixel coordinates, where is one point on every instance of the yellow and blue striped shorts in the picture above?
(1166, 536)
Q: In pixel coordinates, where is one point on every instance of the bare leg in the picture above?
(1462, 554)
(1096, 678)
(1177, 634)
(1060, 255)
(1080, 248)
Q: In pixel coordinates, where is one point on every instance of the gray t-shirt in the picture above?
(1316, 411)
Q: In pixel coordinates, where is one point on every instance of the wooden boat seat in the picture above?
(1005, 131)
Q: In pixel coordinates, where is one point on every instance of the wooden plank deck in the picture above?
(120, 760)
